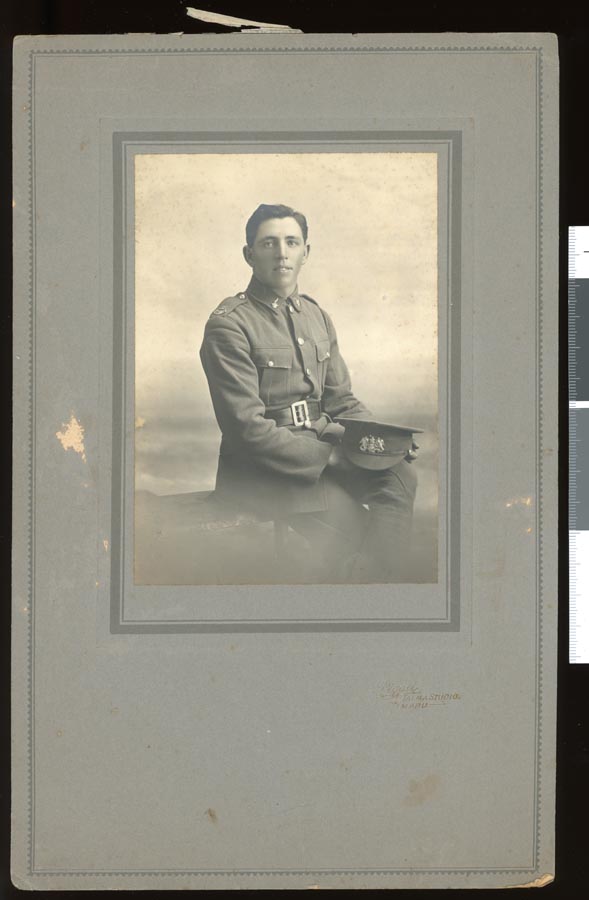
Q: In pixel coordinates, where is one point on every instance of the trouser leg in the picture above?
(384, 554)
(359, 544)
(336, 534)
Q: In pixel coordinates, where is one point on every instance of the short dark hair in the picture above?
(272, 211)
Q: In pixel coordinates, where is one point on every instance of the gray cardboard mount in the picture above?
(275, 736)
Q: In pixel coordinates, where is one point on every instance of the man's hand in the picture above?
(412, 454)
(336, 455)
(338, 458)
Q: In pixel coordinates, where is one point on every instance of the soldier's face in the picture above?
(277, 255)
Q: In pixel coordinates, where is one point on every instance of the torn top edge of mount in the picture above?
(247, 25)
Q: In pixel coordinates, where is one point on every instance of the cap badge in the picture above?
(371, 444)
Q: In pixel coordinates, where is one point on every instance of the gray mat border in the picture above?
(32, 436)
(125, 145)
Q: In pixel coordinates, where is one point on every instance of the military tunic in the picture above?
(260, 354)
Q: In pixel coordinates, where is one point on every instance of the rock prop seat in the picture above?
(194, 538)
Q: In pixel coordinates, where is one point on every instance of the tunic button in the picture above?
(270, 362)
(291, 308)
(308, 371)
(301, 341)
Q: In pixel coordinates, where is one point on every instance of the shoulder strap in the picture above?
(229, 304)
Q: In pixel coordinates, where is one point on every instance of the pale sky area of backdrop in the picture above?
(373, 266)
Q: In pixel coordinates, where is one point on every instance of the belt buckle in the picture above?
(300, 414)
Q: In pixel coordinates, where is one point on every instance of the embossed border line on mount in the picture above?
(124, 145)
(32, 870)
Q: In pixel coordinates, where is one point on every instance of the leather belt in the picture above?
(299, 414)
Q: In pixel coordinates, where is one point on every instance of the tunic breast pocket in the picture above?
(274, 366)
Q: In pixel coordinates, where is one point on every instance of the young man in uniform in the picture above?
(278, 382)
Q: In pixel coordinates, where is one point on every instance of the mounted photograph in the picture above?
(284, 616)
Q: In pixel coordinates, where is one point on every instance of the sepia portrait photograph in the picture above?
(286, 367)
